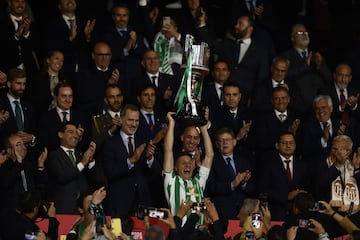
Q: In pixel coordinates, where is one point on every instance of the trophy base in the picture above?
(187, 120)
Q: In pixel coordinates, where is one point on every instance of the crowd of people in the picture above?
(89, 93)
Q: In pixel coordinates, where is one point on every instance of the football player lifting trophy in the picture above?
(195, 68)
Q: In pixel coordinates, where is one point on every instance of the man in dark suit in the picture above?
(308, 69)
(274, 121)
(284, 175)
(248, 61)
(127, 46)
(50, 121)
(21, 172)
(230, 179)
(69, 169)
(345, 100)
(232, 115)
(92, 78)
(70, 34)
(19, 115)
(261, 101)
(165, 85)
(317, 135)
(152, 129)
(19, 39)
(212, 93)
(123, 164)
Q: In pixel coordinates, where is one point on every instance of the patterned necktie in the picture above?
(231, 169)
(150, 121)
(303, 54)
(288, 172)
(18, 116)
(282, 117)
(130, 147)
(72, 157)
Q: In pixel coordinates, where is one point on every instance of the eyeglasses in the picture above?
(302, 33)
(287, 142)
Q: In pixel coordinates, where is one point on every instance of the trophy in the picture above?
(195, 68)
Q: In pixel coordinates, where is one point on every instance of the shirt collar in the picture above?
(278, 113)
(275, 83)
(112, 113)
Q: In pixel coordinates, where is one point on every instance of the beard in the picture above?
(240, 34)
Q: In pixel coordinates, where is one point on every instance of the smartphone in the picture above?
(156, 213)
(99, 224)
(116, 226)
(198, 207)
(249, 236)
(256, 220)
(263, 197)
(317, 206)
(166, 20)
(305, 223)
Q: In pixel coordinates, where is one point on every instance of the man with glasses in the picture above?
(230, 178)
(307, 68)
(283, 176)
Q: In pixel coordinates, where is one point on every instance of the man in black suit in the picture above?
(248, 61)
(261, 101)
(152, 129)
(18, 116)
(274, 121)
(50, 121)
(92, 78)
(69, 169)
(345, 100)
(284, 175)
(232, 115)
(317, 135)
(165, 85)
(21, 172)
(127, 46)
(308, 69)
(70, 34)
(124, 164)
(19, 39)
(212, 93)
(230, 176)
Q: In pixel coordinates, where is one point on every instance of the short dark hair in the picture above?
(61, 85)
(63, 125)
(303, 201)
(284, 133)
(225, 130)
(112, 85)
(182, 153)
(144, 87)
(28, 201)
(15, 73)
(279, 89)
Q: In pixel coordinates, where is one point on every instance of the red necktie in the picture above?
(288, 172)
(130, 147)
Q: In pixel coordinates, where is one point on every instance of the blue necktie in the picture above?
(231, 169)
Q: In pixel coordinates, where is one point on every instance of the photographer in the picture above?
(22, 220)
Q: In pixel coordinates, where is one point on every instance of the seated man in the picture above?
(179, 183)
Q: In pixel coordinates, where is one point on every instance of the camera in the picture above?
(317, 206)
(152, 212)
(256, 220)
(30, 236)
(249, 235)
(42, 209)
(305, 223)
(198, 207)
(263, 197)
